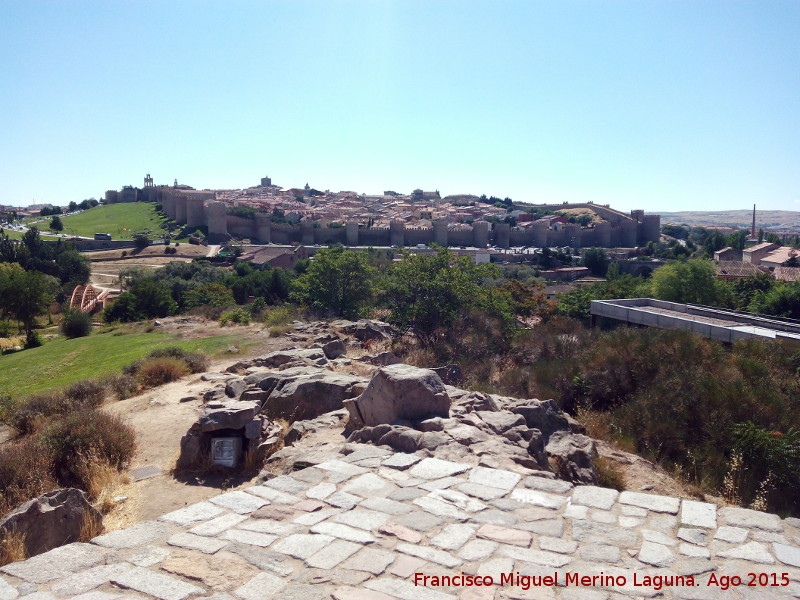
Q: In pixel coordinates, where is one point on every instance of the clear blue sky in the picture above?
(673, 105)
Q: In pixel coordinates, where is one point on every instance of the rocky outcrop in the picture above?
(400, 393)
(572, 455)
(366, 330)
(309, 395)
(51, 520)
(381, 359)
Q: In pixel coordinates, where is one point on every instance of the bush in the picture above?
(141, 241)
(7, 329)
(124, 253)
(76, 323)
(25, 472)
(279, 315)
(30, 415)
(85, 393)
(82, 437)
(33, 340)
(122, 386)
(195, 361)
(158, 371)
(238, 315)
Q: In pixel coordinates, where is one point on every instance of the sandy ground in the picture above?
(160, 419)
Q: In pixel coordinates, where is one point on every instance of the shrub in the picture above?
(25, 472)
(196, 361)
(279, 315)
(124, 253)
(158, 371)
(85, 393)
(30, 415)
(7, 329)
(238, 315)
(33, 339)
(76, 323)
(141, 241)
(122, 386)
(82, 437)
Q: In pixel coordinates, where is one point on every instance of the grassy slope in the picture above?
(136, 217)
(61, 362)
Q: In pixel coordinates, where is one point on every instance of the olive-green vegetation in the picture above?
(123, 221)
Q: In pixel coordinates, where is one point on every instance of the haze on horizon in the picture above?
(665, 106)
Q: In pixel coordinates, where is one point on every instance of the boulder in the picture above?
(334, 349)
(381, 359)
(51, 520)
(191, 451)
(501, 421)
(307, 396)
(235, 387)
(401, 392)
(307, 356)
(543, 415)
(571, 455)
(254, 395)
(227, 415)
(366, 329)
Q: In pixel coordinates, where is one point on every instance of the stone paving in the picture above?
(371, 524)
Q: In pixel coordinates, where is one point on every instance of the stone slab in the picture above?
(344, 532)
(89, 579)
(201, 511)
(156, 584)
(538, 498)
(435, 468)
(191, 541)
(239, 502)
(302, 545)
(439, 557)
(596, 497)
(370, 560)
(218, 525)
(401, 461)
(133, 536)
(55, 564)
(498, 478)
(662, 504)
(332, 554)
(263, 585)
(698, 514)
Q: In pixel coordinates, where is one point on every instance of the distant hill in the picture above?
(766, 219)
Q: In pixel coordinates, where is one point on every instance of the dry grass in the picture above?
(159, 371)
(91, 527)
(12, 548)
(609, 475)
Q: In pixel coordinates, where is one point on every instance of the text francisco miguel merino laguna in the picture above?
(655, 582)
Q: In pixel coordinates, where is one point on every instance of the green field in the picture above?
(61, 362)
(122, 221)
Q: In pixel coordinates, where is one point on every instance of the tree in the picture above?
(337, 280)
(146, 299)
(780, 301)
(210, 294)
(73, 206)
(596, 260)
(426, 292)
(141, 241)
(25, 295)
(693, 281)
(56, 224)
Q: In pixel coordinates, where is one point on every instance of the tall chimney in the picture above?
(753, 229)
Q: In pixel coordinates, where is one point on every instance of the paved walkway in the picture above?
(368, 525)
